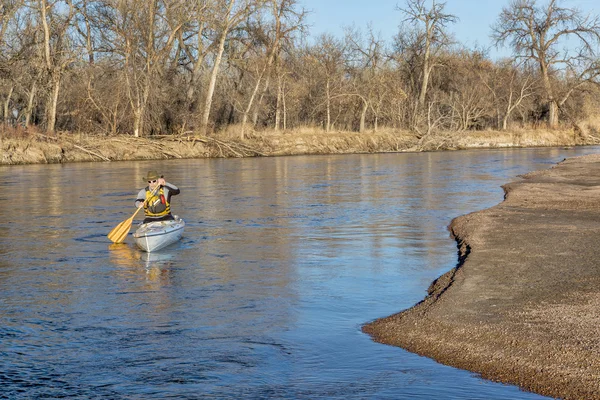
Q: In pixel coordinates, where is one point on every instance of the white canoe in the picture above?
(154, 236)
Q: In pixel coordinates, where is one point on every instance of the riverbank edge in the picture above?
(521, 305)
(35, 148)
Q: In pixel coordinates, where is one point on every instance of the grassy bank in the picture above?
(36, 148)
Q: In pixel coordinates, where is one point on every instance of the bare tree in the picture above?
(280, 109)
(366, 61)
(161, 66)
(195, 47)
(469, 100)
(8, 9)
(326, 61)
(144, 35)
(227, 14)
(433, 37)
(291, 21)
(536, 34)
(285, 20)
(29, 66)
(509, 85)
(86, 27)
(55, 18)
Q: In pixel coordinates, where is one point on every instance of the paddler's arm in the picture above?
(171, 189)
(141, 198)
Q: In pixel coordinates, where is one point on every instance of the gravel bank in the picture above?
(523, 304)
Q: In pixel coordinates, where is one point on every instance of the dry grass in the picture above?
(9, 132)
(520, 138)
(28, 147)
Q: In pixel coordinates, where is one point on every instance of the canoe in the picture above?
(154, 236)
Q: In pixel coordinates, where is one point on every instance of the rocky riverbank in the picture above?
(523, 304)
(35, 148)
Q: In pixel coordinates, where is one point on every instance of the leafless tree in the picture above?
(536, 33)
(145, 67)
(510, 85)
(227, 15)
(325, 60)
(366, 61)
(8, 9)
(195, 46)
(469, 100)
(55, 18)
(285, 20)
(143, 40)
(431, 24)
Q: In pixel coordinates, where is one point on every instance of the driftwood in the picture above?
(222, 147)
(150, 143)
(91, 152)
(162, 148)
(100, 156)
(239, 149)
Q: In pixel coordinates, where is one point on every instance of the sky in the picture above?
(472, 29)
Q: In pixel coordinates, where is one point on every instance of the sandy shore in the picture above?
(523, 304)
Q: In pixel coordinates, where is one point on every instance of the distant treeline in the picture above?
(148, 67)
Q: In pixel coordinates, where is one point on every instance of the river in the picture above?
(282, 261)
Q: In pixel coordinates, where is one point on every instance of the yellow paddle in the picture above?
(119, 233)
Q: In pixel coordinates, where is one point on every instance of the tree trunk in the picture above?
(284, 110)
(191, 94)
(363, 115)
(192, 101)
(29, 109)
(553, 114)
(140, 112)
(53, 103)
(328, 125)
(426, 72)
(260, 100)
(137, 123)
(278, 105)
(47, 59)
(88, 36)
(552, 104)
(424, 84)
(213, 81)
(6, 105)
(248, 107)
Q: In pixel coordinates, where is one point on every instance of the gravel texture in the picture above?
(523, 304)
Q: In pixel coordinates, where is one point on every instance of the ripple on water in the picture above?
(282, 261)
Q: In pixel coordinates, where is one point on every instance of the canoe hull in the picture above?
(158, 235)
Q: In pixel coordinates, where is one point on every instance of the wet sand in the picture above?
(523, 304)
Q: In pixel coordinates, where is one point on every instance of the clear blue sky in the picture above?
(473, 29)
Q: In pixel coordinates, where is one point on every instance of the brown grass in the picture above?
(30, 147)
(518, 138)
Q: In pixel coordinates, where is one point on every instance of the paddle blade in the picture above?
(119, 233)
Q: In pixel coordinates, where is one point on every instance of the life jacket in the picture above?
(156, 204)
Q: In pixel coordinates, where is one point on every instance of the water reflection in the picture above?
(282, 261)
(131, 262)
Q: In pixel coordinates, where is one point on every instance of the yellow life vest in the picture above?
(156, 204)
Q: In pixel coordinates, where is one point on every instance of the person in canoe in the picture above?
(156, 198)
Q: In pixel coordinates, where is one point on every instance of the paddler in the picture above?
(156, 198)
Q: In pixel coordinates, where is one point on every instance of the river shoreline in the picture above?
(522, 305)
(35, 148)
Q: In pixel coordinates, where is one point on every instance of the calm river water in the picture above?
(282, 261)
